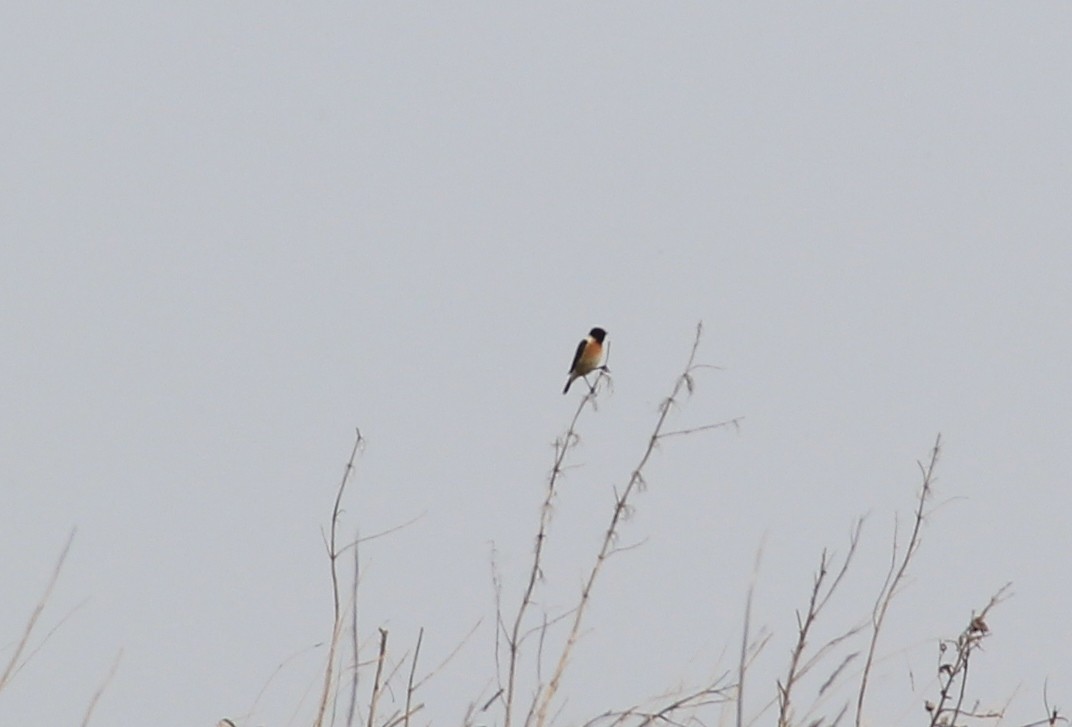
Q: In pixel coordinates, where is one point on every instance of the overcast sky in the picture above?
(230, 233)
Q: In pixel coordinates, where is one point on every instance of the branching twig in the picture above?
(46, 638)
(735, 423)
(546, 695)
(13, 664)
(819, 599)
(954, 673)
(333, 555)
(666, 713)
(449, 657)
(514, 638)
(896, 574)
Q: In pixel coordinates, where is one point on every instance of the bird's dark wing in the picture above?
(577, 356)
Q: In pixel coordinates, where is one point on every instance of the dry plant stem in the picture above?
(401, 719)
(46, 638)
(846, 660)
(636, 480)
(100, 690)
(1051, 719)
(816, 603)
(896, 574)
(13, 663)
(666, 713)
(742, 665)
(950, 673)
(412, 670)
(513, 643)
(376, 682)
(349, 607)
(352, 709)
(1052, 713)
(333, 556)
(803, 628)
(449, 657)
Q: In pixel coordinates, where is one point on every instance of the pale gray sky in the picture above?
(233, 232)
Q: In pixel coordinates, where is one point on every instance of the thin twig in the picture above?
(399, 719)
(665, 713)
(278, 669)
(514, 638)
(896, 574)
(333, 556)
(735, 423)
(11, 668)
(100, 690)
(684, 381)
(742, 665)
(354, 679)
(817, 601)
(450, 657)
(412, 671)
(381, 534)
(375, 698)
(47, 637)
(348, 607)
(955, 672)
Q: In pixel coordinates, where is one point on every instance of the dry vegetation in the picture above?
(525, 693)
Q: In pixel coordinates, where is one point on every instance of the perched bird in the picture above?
(589, 354)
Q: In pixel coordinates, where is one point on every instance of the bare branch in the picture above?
(735, 423)
(351, 711)
(953, 674)
(514, 639)
(449, 657)
(374, 700)
(683, 383)
(897, 573)
(12, 666)
(819, 598)
(333, 555)
(742, 665)
(100, 690)
(412, 670)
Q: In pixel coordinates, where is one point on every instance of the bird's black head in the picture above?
(598, 333)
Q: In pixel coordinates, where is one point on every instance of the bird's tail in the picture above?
(569, 382)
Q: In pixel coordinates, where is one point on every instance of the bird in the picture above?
(586, 359)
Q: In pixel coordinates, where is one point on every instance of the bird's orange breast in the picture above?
(593, 352)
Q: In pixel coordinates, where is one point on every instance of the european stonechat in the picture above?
(589, 354)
